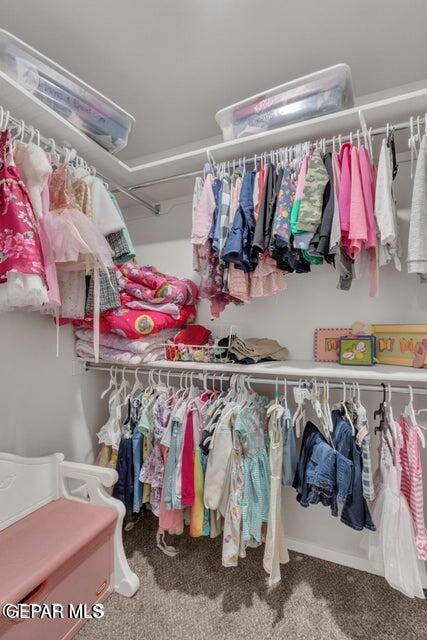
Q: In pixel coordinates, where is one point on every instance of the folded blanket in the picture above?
(133, 323)
(149, 285)
(85, 350)
(139, 346)
(165, 307)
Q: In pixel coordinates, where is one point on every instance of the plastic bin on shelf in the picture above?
(87, 109)
(314, 95)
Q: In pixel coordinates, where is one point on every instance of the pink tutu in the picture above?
(73, 236)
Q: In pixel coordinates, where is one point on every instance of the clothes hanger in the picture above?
(409, 413)
(113, 382)
(389, 405)
(380, 412)
(344, 407)
(300, 395)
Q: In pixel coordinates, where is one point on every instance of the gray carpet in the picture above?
(193, 597)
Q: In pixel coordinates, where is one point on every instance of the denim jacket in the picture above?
(355, 513)
(323, 474)
(239, 240)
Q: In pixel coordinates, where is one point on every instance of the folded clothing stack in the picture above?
(121, 349)
(149, 302)
(252, 350)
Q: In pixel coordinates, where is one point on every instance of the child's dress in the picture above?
(35, 170)
(78, 246)
(392, 549)
(153, 469)
(256, 473)
(22, 273)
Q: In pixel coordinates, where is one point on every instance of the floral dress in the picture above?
(153, 469)
(22, 273)
(255, 501)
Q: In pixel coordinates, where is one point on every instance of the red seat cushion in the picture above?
(37, 545)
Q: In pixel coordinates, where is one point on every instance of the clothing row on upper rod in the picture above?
(300, 207)
(217, 458)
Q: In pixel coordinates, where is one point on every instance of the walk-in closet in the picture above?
(213, 320)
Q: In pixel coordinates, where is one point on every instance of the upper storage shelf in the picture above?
(23, 104)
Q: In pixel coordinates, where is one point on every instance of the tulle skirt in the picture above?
(73, 235)
(392, 549)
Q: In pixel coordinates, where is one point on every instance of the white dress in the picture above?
(392, 548)
(276, 550)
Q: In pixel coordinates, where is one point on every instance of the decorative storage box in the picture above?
(357, 350)
(314, 95)
(87, 109)
(327, 344)
(401, 344)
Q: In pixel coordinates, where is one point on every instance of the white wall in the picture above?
(310, 301)
(44, 407)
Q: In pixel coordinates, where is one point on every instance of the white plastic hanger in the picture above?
(409, 413)
(112, 383)
(344, 406)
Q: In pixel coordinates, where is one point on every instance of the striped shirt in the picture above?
(412, 482)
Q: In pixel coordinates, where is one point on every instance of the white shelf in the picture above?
(295, 369)
(23, 104)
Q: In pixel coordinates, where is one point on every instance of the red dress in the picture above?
(22, 274)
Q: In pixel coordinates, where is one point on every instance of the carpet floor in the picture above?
(192, 597)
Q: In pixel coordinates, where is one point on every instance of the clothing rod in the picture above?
(68, 154)
(201, 375)
(400, 126)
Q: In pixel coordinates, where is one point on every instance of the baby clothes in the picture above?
(275, 552)
(256, 473)
(412, 482)
(386, 216)
(417, 241)
(317, 178)
(22, 271)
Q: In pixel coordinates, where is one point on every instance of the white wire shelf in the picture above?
(292, 369)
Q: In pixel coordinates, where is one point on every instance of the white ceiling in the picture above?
(174, 63)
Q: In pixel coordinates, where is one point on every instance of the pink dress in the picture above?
(22, 273)
(35, 169)
(412, 482)
(77, 244)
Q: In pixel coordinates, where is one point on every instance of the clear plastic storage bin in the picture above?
(91, 112)
(317, 94)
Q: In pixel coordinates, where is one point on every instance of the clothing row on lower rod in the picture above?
(217, 461)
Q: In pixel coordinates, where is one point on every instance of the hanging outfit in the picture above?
(417, 240)
(22, 272)
(276, 551)
(392, 550)
(35, 169)
(77, 244)
(412, 481)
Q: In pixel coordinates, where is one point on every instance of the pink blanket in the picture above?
(134, 323)
(149, 285)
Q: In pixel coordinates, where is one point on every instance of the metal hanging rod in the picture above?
(205, 375)
(400, 126)
(68, 154)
